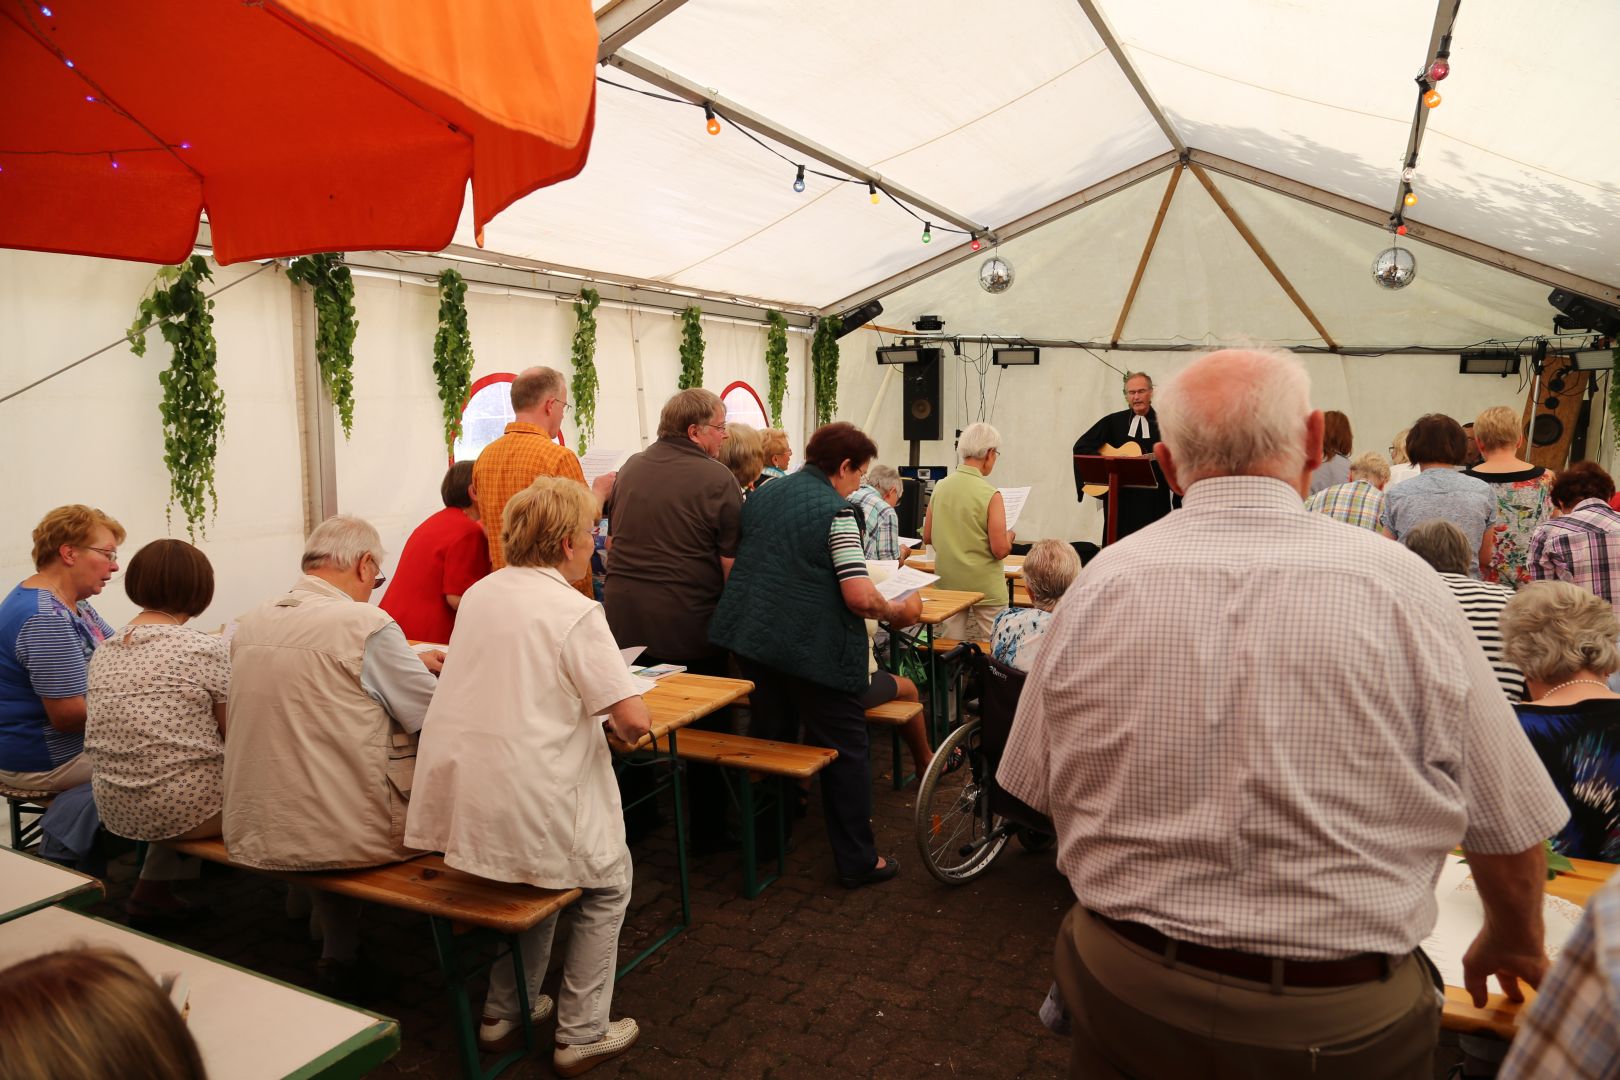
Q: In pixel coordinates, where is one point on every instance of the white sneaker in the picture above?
(498, 1036)
(573, 1060)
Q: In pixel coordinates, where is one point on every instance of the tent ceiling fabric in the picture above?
(1204, 286)
(1310, 90)
(1516, 156)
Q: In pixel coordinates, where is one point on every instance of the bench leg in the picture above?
(680, 864)
(455, 982)
(753, 883)
(900, 778)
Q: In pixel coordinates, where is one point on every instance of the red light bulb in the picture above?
(976, 245)
(1439, 69)
(1400, 230)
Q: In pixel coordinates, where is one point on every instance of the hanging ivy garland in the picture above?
(776, 364)
(193, 406)
(582, 388)
(824, 368)
(1614, 397)
(691, 348)
(335, 326)
(452, 355)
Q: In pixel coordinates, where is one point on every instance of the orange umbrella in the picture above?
(296, 125)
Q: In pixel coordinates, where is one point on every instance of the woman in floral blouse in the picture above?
(1521, 490)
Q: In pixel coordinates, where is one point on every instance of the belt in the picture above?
(1350, 971)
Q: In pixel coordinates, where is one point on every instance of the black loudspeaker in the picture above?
(920, 400)
(910, 507)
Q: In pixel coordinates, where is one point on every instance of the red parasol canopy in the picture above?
(297, 125)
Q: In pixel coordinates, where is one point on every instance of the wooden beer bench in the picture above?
(746, 762)
(459, 906)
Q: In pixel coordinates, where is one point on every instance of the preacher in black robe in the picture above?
(1139, 507)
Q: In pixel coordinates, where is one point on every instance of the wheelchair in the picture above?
(963, 818)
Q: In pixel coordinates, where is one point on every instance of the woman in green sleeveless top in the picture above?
(967, 525)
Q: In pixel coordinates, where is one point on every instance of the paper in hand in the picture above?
(598, 461)
(903, 582)
(1012, 502)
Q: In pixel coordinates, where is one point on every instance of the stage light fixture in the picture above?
(1017, 357)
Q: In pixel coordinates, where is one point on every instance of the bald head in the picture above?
(1239, 412)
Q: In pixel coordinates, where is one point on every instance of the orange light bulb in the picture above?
(1411, 198)
(1432, 98)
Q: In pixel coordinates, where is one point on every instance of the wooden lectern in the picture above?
(1116, 473)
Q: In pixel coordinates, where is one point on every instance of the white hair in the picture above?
(340, 542)
(977, 440)
(1553, 629)
(883, 478)
(1236, 412)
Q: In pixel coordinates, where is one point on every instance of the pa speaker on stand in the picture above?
(920, 398)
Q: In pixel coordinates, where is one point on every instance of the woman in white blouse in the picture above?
(514, 779)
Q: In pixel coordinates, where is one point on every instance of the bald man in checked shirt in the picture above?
(1251, 825)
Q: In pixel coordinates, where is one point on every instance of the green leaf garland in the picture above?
(452, 355)
(193, 407)
(824, 368)
(335, 327)
(1614, 397)
(582, 388)
(776, 364)
(691, 348)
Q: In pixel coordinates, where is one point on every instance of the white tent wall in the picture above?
(389, 471)
(1041, 410)
(93, 434)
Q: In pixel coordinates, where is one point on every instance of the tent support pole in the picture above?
(1260, 253)
(1128, 69)
(317, 441)
(622, 21)
(641, 382)
(1147, 253)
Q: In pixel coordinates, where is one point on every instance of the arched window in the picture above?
(486, 414)
(743, 406)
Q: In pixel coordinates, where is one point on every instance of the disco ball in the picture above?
(1394, 268)
(996, 275)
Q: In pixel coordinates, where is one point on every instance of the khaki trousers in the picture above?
(974, 623)
(1137, 1016)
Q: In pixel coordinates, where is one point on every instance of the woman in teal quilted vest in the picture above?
(793, 612)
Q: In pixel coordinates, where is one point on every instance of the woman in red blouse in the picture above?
(445, 555)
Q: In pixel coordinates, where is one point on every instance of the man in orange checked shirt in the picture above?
(528, 449)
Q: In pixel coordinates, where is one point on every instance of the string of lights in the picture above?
(714, 123)
(1428, 99)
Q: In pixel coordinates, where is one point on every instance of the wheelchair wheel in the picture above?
(956, 833)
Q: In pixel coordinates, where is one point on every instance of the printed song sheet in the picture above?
(1012, 499)
(599, 460)
(903, 582)
(1462, 914)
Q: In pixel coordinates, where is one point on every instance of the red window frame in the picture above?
(742, 384)
(491, 380)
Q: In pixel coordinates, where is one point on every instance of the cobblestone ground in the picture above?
(910, 978)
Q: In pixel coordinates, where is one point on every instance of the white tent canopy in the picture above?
(997, 113)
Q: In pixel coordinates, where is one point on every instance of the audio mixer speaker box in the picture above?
(1550, 422)
(920, 398)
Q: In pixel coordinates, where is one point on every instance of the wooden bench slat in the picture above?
(756, 755)
(945, 644)
(424, 885)
(893, 713)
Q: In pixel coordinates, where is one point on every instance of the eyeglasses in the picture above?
(110, 554)
(721, 428)
(376, 582)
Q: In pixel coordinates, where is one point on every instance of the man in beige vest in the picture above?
(326, 699)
